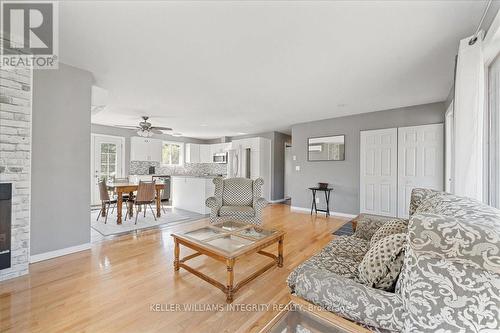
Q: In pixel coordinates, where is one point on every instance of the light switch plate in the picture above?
(297, 168)
(294, 157)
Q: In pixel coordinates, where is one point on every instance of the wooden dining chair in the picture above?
(146, 192)
(105, 200)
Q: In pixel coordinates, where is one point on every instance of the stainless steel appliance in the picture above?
(220, 158)
(165, 194)
(5, 224)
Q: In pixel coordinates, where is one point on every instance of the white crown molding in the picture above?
(59, 253)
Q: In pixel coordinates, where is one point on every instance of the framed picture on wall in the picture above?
(326, 148)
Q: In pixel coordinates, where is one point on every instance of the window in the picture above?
(108, 160)
(172, 153)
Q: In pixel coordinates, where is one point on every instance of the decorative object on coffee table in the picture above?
(227, 242)
(327, 191)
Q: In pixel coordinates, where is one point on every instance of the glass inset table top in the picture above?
(230, 237)
(255, 232)
(230, 243)
(230, 225)
(296, 320)
(204, 233)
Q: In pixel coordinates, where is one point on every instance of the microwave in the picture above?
(220, 158)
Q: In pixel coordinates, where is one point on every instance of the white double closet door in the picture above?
(393, 161)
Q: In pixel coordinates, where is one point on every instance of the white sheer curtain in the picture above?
(469, 120)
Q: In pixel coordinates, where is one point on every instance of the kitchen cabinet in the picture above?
(189, 193)
(219, 148)
(215, 148)
(145, 149)
(192, 153)
(205, 154)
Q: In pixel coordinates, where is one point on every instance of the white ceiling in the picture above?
(219, 68)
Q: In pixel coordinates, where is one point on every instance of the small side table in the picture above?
(327, 191)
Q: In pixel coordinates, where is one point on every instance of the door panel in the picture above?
(378, 172)
(107, 162)
(421, 161)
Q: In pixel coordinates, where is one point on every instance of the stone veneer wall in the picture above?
(15, 161)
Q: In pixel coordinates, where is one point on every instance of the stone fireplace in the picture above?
(15, 162)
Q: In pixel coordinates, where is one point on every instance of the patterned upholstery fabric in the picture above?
(418, 195)
(341, 256)
(348, 246)
(236, 210)
(450, 280)
(368, 224)
(391, 227)
(378, 309)
(237, 199)
(382, 264)
(237, 192)
(451, 274)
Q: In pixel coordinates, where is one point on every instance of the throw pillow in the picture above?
(392, 227)
(382, 263)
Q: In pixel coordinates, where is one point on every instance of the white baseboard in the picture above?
(332, 213)
(277, 201)
(59, 253)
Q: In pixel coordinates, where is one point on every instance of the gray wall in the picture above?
(344, 175)
(60, 205)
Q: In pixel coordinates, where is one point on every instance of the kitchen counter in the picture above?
(190, 192)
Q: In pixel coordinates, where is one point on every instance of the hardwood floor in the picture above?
(111, 287)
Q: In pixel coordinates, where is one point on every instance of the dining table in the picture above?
(130, 188)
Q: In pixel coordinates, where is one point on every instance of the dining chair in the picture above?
(105, 200)
(146, 192)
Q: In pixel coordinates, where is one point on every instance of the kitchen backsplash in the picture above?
(195, 169)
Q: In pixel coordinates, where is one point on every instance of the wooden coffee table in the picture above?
(227, 242)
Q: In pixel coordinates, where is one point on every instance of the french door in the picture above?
(107, 161)
(378, 172)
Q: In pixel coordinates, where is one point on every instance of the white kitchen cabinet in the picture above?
(145, 149)
(205, 154)
(216, 148)
(192, 153)
(190, 193)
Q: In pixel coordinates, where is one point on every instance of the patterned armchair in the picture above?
(449, 282)
(237, 199)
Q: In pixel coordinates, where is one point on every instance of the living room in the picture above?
(249, 166)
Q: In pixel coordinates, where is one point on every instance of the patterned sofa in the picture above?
(237, 199)
(449, 281)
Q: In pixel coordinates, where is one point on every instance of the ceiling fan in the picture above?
(146, 129)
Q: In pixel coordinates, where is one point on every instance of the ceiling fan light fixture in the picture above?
(144, 133)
